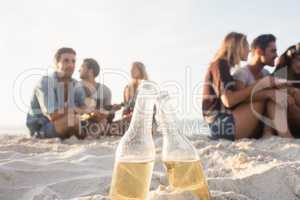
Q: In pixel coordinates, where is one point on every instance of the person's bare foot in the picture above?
(268, 132)
(267, 135)
(287, 134)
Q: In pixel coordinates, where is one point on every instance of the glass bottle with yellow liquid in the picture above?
(179, 156)
(135, 153)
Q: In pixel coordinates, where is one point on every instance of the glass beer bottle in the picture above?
(135, 153)
(179, 156)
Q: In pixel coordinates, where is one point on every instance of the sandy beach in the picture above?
(32, 169)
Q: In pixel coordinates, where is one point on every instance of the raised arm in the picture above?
(126, 94)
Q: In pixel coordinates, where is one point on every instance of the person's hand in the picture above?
(283, 98)
(264, 83)
(279, 82)
(99, 115)
(273, 82)
(280, 97)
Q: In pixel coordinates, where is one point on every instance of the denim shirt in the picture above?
(48, 97)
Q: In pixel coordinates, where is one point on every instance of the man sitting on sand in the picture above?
(264, 53)
(98, 98)
(56, 100)
(97, 95)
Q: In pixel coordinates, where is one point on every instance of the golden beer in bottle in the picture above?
(131, 180)
(187, 176)
(179, 156)
(135, 153)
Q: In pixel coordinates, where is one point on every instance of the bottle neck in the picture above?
(142, 118)
(175, 145)
(168, 119)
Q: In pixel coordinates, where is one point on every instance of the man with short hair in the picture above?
(56, 100)
(264, 52)
(98, 96)
(100, 93)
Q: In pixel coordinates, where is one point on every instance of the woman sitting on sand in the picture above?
(227, 111)
(288, 67)
(138, 73)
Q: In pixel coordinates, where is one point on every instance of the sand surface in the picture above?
(267, 169)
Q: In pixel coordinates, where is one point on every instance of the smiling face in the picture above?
(66, 65)
(269, 55)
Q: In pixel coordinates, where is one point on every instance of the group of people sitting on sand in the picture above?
(62, 106)
(238, 102)
(249, 102)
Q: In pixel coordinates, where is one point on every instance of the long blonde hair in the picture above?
(231, 48)
(142, 69)
(133, 85)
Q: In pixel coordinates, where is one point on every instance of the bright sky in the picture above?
(174, 38)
